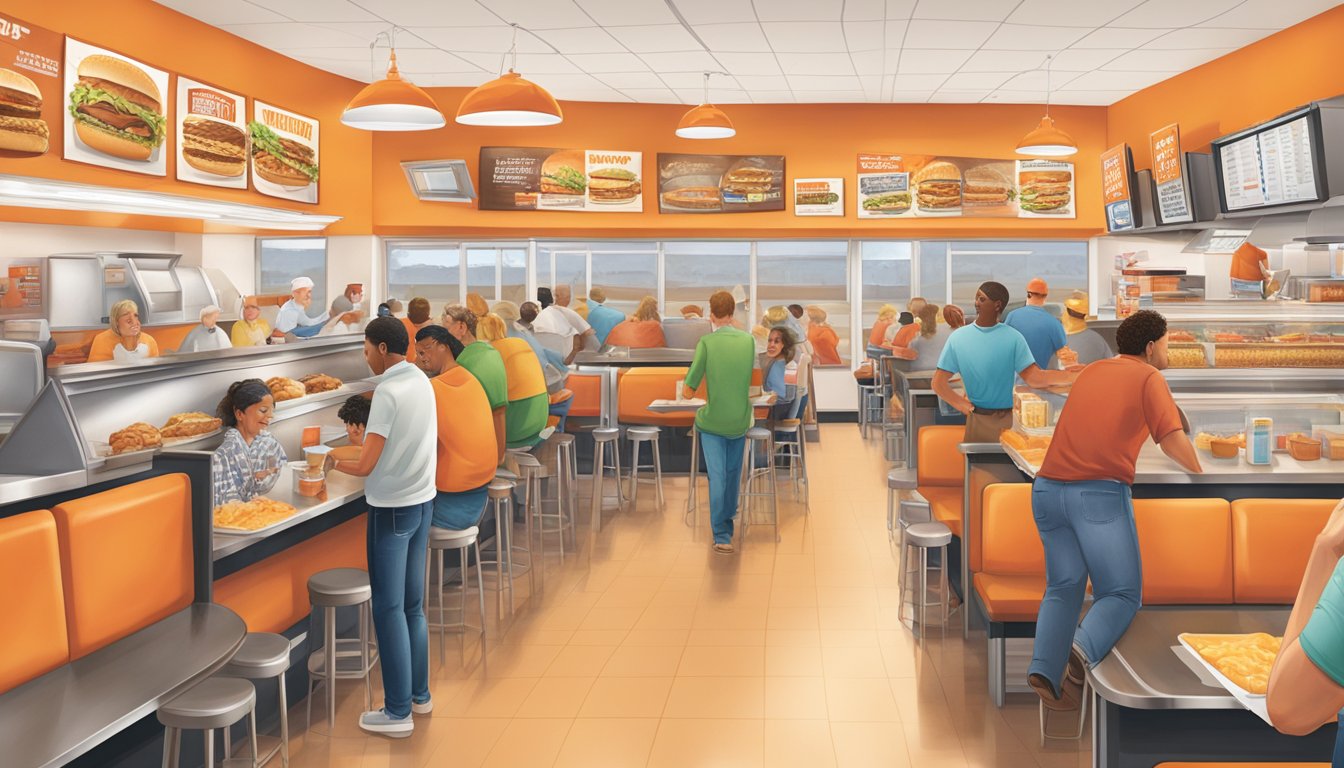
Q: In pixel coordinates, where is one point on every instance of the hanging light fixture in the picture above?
(1047, 140)
(706, 121)
(392, 104)
(509, 100)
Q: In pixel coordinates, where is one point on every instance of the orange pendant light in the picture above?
(1047, 140)
(509, 100)
(706, 121)
(392, 104)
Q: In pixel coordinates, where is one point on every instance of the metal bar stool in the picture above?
(901, 479)
(602, 437)
(793, 448)
(329, 590)
(499, 498)
(753, 475)
(926, 536)
(213, 703)
(464, 542)
(638, 436)
(264, 656)
(531, 473)
(566, 497)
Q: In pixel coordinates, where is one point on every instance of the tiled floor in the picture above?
(645, 648)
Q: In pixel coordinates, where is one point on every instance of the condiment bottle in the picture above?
(1260, 442)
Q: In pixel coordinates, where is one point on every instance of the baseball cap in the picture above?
(300, 282)
(1077, 304)
(1037, 285)
(209, 309)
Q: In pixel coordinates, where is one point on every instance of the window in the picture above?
(694, 270)
(933, 272)
(562, 264)
(886, 277)
(805, 272)
(513, 274)
(281, 259)
(497, 272)
(627, 272)
(1061, 263)
(481, 265)
(430, 270)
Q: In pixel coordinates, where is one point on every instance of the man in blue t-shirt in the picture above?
(988, 354)
(600, 316)
(1043, 331)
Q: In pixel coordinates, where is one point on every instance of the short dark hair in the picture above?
(241, 396)
(905, 318)
(440, 335)
(528, 312)
(389, 331)
(1138, 330)
(384, 310)
(996, 292)
(796, 310)
(544, 297)
(355, 410)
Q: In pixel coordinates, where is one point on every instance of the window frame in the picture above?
(259, 245)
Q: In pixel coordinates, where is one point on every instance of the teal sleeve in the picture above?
(697, 371)
(947, 361)
(1022, 357)
(1323, 638)
(1060, 339)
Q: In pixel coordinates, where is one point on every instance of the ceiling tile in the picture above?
(976, 81)
(763, 82)
(355, 69)
(581, 40)
(909, 97)
(929, 83)
(948, 35)
(591, 94)
(963, 10)
(866, 36)
(749, 63)
(653, 95)
(830, 97)
(874, 62)
(363, 31)
(1205, 37)
(594, 63)
(684, 61)
(1084, 60)
(1069, 13)
(958, 97)
(741, 37)
(552, 14)
(1089, 98)
(774, 97)
(495, 39)
(418, 13)
(699, 12)
(628, 80)
(900, 9)
(1017, 37)
(1033, 81)
(566, 80)
(1117, 37)
(617, 13)
(805, 36)
(659, 38)
(864, 10)
(529, 64)
(415, 61)
(1164, 61)
(680, 81)
(798, 10)
(319, 10)
(1113, 81)
(719, 96)
(1268, 15)
(799, 83)
(816, 63)
(220, 14)
(932, 62)
(450, 80)
(1003, 61)
(276, 36)
(1164, 14)
(1002, 96)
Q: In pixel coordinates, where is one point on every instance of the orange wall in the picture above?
(817, 140)
(1250, 85)
(182, 45)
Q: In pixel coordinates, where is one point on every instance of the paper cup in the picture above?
(316, 454)
(681, 386)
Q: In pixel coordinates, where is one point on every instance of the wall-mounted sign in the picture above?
(720, 183)
(116, 115)
(900, 186)
(884, 187)
(550, 179)
(284, 153)
(1045, 189)
(211, 135)
(1115, 189)
(819, 197)
(30, 87)
(1173, 197)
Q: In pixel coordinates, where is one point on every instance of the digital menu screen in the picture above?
(1274, 164)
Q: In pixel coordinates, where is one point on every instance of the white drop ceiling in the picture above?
(772, 51)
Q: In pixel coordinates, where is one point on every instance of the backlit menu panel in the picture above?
(1270, 167)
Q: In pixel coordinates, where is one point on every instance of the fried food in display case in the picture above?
(1187, 356)
(192, 424)
(314, 383)
(137, 437)
(285, 389)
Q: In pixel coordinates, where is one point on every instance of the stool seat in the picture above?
(606, 434)
(215, 702)
(563, 437)
(758, 433)
(928, 535)
(902, 479)
(339, 587)
(447, 538)
(499, 489)
(788, 425)
(504, 474)
(264, 655)
(641, 432)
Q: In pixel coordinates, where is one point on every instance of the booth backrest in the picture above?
(1271, 541)
(1186, 547)
(126, 559)
(1012, 546)
(35, 640)
(940, 463)
(587, 389)
(680, 333)
(640, 386)
(1016, 499)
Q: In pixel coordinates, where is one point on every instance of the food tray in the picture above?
(1255, 702)
(105, 459)
(249, 531)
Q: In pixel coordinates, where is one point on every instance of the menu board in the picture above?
(720, 183)
(819, 197)
(1270, 165)
(1173, 196)
(116, 115)
(211, 135)
(902, 186)
(22, 290)
(285, 156)
(30, 79)
(1116, 173)
(550, 179)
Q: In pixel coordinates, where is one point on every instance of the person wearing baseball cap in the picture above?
(208, 335)
(293, 316)
(1086, 344)
(1042, 330)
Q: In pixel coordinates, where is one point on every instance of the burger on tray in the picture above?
(22, 128)
(117, 108)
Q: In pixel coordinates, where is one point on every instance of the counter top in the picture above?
(341, 489)
(624, 356)
(1154, 468)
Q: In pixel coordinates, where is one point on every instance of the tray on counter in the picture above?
(1255, 702)
(105, 459)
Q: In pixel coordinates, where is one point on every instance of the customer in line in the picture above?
(354, 414)
(902, 332)
(482, 360)
(928, 344)
(123, 341)
(544, 297)
(248, 461)
(1042, 330)
(477, 304)
(251, 331)
(988, 354)
(601, 317)
(1085, 343)
(293, 316)
(208, 335)
(725, 357)
(529, 400)
(466, 446)
(552, 362)
(417, 317)
(954, 316)
(825, 341)
(642, 330)
(398, 460)
(1081, 500)
(564, 322)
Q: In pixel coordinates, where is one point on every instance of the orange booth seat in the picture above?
(1271, 541)
(1242, 765)
(941, 473)
(33, 600)
(636, 388)
(587, 389)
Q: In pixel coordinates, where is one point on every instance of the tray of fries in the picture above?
(255, 516)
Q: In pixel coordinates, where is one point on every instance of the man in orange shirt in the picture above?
(1083, 508)
(466, 432)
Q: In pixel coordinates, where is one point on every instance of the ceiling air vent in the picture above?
(443, 181)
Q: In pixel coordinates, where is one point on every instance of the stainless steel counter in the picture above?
(1154, 468)
(624, 356)
(341, 490)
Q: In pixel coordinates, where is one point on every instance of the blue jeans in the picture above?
(398, 538)
(459, 510)
(723, 467)
(1087, 529)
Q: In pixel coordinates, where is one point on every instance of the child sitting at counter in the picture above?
(354, 414)
(248, 462)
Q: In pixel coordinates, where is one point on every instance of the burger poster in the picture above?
(116, 115)
(30, 87)
(550, 179)
(211, 135)
(284, 153)
(720, 183)
(1045, 189)
(902, 186)
(819, 197)
(884, 187)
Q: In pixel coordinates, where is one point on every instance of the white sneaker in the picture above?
(380, 723)
(422, 709)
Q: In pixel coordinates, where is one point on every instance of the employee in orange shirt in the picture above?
(1083, 508)
(417, 317)
(466, 432)
(123, 342)
(1250, 267)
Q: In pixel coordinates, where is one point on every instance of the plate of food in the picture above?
(314, 383)
(255, 516)
(1240, 663)
(189, 427)
(131, 445)
(283, 389)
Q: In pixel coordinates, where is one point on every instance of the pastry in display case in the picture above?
(283, 389)
(1238, 344)
(1241, 427)
(314, 383)
(137, 437)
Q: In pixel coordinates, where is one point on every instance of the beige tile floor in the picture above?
(646, 649)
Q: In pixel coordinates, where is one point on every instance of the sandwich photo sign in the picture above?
(550, 179)
(116, 113)
(720, 183)
(902, 186)
(211, 135)
(30, 87)
(1045, 189)
(818, 197)
(284, 153)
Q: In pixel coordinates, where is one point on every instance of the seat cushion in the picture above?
(1271, 541)
(1016, 499)
(944, 505)
(940, 463)
(33, 602)
(1178, 568)
(1010, 598)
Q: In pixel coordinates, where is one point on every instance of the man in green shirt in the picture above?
(726, 357)
(484, 362)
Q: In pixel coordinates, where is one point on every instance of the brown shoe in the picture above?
(1070, 697)
(723, 549)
